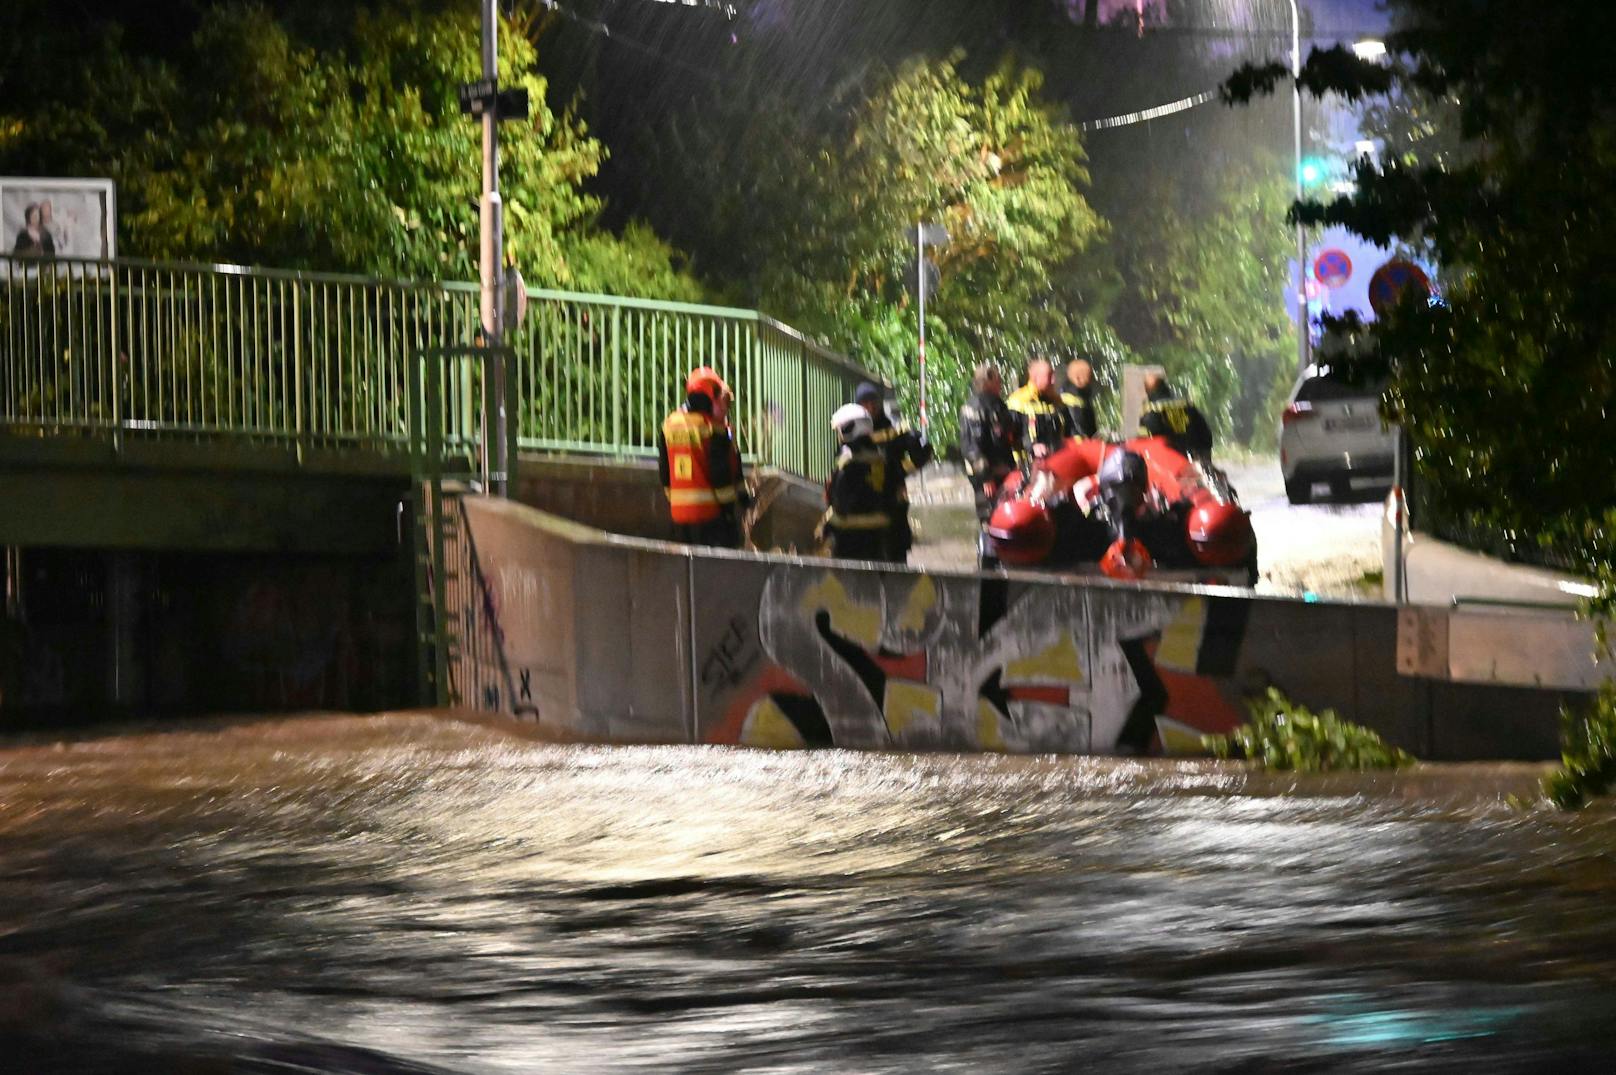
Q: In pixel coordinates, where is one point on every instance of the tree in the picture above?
(1202, 295)
(249, 145)
(1507, 385)
(988, 160)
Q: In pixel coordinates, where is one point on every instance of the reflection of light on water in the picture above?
(1373, 1028)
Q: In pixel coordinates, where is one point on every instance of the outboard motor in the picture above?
(1123, 484)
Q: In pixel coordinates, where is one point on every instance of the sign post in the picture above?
(484, 100)
(936, 235)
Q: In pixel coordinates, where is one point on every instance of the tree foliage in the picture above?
(252, 146)
(1204, 291)
(832, 226)
(1507, 385)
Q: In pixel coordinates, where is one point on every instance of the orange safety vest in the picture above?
(691, 496)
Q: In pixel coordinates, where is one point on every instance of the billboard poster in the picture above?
(62, 218)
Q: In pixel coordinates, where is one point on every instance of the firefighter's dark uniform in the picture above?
(1081, 407)
(859, 521)
(701, 474)
(1040, 420)
(988, 442)
(904, 452)
(1177, 421)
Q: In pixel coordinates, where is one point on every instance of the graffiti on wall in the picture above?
(864, 659)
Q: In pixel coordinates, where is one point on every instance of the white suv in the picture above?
(1331, 431)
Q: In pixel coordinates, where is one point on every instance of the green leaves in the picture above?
(1286, 736)
(1588, 753)
(994, 164)
(250, 145)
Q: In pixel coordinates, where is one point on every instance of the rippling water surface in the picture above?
(404, 894)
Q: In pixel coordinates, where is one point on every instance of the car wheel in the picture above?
(1298, 490)
(1340, 488)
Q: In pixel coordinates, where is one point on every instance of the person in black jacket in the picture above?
(1080, 393)
(905, 452)
(987, 437)
(1175, 420)
(857, 522)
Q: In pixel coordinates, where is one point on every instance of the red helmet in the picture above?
(706, 381)
(1126, 560)
(1021, 532)
(1219, 534)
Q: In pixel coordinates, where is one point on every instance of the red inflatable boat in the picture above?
(1129, 508)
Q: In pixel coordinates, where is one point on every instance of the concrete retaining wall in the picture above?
(625, 497)
(629, 640)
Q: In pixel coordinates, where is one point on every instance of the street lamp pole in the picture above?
(1302, 340)
(920, 274)
(490, 263)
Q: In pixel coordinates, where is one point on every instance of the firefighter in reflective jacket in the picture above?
(700, 466)
(905, 452)
(858, 522)
(1177, 421)
(1043, 413)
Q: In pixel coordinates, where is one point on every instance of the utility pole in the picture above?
(1303, 343)
(491, 264)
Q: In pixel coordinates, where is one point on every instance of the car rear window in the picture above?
(1324, 389)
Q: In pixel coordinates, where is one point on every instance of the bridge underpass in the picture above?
(246, 459)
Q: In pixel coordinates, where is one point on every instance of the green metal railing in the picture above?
(321, 362)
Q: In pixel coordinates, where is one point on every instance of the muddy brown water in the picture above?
(410, 894)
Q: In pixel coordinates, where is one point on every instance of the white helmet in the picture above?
(851, 421)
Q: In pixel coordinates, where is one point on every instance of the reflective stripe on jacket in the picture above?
(1041, 421)
(687, 437)
(858, 490)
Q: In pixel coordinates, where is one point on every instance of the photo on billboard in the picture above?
(57, 218)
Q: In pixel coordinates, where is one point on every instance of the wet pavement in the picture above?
(406, 893)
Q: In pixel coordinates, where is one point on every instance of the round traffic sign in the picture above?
(1386, 287)
(1333, 268)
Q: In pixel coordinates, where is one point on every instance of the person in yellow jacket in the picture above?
(1043, 413)
(700, 466)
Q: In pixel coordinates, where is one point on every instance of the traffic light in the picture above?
(1312, 171)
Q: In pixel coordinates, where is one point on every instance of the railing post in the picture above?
(616, 389)
(117, 363)
(807, 412)
(297, 373)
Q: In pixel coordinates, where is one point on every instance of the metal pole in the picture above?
(492, 264)
(920, 271)
(1303, 343)
(1400, 483)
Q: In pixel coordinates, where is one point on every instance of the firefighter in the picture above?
(905, 452)
(1177, 421)
(700, 466)
(987, 438)
(1080, 388)
(858, 522)
(1043, 414)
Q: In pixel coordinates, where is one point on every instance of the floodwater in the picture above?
(411, 894)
